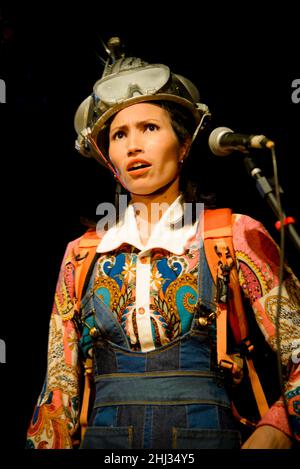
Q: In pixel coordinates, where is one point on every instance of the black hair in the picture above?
(193, 176)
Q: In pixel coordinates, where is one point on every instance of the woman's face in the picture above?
(144, 148)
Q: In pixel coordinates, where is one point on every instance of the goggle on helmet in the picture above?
(130, 81)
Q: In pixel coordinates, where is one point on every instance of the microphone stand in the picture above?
(266, 191)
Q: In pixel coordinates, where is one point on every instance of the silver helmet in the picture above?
(127, 81)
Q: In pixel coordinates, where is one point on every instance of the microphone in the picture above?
(223, 141)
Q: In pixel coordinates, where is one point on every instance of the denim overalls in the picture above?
(169, 398)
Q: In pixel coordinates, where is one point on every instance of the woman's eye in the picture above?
(151, 127)
(118, 135)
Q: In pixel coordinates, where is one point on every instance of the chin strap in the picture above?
(102, 158)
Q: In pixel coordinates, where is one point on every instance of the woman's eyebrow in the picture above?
(136, 124)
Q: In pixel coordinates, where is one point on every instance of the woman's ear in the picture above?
(184, 149)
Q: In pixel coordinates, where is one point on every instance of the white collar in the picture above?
(164, 235)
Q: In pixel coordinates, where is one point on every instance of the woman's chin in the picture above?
(139, 189)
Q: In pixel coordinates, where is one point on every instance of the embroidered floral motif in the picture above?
(156, 280)
(173, 292)
(64, 296)
(129, 270)
(256, 283)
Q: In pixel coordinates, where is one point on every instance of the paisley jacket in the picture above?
(55, 422)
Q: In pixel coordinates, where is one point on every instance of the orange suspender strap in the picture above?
(257, 389)
(218, 244)
(83, 419)
(84, 255)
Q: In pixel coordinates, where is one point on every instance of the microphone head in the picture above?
(214, 141)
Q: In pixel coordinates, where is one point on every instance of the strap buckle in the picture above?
(88, 367)
(229, 366)
(246, 347)
(225, 265)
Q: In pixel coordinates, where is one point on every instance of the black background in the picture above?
(243, 61)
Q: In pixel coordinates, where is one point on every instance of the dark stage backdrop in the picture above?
(243, 61)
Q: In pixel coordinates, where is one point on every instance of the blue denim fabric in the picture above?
(167, 398)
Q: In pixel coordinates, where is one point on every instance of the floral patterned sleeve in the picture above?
(55, 421)
(258, 265)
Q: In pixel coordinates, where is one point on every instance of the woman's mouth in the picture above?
(139, 170)
(138, 167)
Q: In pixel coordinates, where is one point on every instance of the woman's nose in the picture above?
(134, 144)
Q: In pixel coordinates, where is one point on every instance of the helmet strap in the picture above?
(105, 160)
(199, 126)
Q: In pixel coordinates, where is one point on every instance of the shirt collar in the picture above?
(170, 233)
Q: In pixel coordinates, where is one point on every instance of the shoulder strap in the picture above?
(84, 253)
(219, 251)
(218, 245)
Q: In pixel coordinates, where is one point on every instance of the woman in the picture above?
(144, 317)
